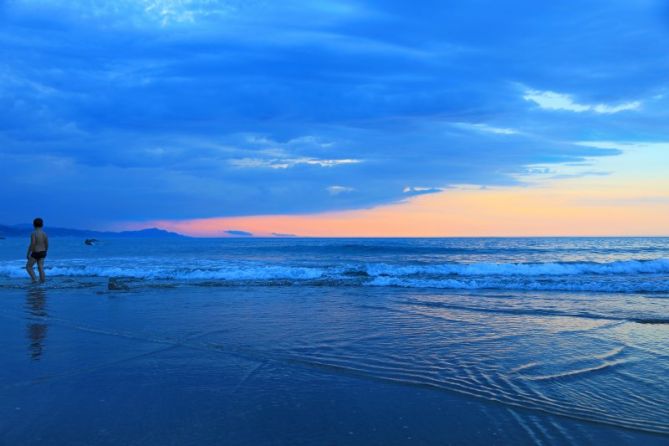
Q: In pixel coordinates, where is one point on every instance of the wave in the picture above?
(630, 276)
(266, 272)
(629, 286)
(656, 266)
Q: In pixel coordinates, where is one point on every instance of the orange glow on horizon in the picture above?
(564, 209)
(630, 198)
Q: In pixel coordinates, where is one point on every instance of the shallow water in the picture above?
(276, 357)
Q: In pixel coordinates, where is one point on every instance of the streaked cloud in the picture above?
(480, 127)
(662, 146)
(418, 190)
(336, 190)
(286, 163)
(550, 100)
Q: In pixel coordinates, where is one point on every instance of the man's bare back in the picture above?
(39, 245)
(39, 240)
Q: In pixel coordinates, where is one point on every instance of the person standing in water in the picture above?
(39, 245)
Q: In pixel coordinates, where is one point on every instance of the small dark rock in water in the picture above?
(117, 285)
(90, 241)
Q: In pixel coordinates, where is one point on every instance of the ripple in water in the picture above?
(574, 367)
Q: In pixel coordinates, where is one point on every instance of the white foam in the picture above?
(524, 269)
(630, 286)
(224, 272)
(620, 276)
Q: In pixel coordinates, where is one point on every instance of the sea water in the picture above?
(543, 332)
(619, 265)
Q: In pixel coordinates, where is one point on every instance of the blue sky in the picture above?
(156, 109)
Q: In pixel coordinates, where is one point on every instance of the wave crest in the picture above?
(657, 266)
(621, 276)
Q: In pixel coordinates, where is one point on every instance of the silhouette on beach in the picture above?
(37, 250)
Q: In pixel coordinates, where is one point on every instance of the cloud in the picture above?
(336, 190)
(550, 100)
(608, 109)
(413, 190)
(662, 146)
(171, 110)
(480, 127)
(167, 15)
(287, 163)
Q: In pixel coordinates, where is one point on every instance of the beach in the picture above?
(337, 341)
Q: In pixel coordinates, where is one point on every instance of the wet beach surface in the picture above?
(329, 365)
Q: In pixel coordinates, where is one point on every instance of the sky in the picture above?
(337, 118)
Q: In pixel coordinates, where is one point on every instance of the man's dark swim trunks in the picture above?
(38, 255)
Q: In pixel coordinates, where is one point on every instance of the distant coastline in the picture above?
(25, 230)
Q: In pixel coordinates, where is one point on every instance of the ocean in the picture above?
(617, 265)
(338, 341)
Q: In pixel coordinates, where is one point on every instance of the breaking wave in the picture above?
(526, 269)
(621, 276)
(226, 272)
(612, 286)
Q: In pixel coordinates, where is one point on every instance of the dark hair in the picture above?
(38, 222)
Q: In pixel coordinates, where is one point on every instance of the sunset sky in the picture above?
(337, 118)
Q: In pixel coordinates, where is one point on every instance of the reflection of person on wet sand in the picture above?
(36, 332)
(39, 244)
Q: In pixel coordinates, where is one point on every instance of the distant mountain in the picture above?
(25, 230)
(11, 231)
(148, 233)
(237, 233)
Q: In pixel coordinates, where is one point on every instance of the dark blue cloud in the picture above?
(140, 109)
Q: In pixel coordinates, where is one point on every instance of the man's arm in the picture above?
(46, 242)
(30, 247)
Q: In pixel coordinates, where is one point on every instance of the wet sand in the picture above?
(227, 365)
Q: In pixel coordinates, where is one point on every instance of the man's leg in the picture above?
(29, 268)
(40, 268)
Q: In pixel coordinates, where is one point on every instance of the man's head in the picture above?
(38, 222)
